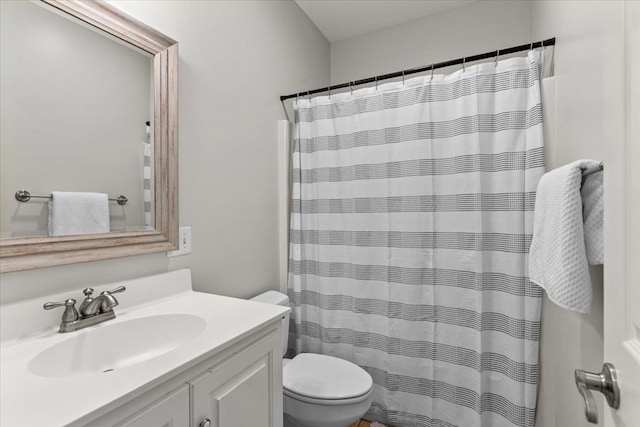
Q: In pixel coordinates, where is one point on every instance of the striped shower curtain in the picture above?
(411, 223)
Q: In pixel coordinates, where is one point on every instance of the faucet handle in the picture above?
(115, 291)
(109, 301)
(70, 313)
(88, 292)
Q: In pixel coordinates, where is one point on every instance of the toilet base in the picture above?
(303, 414)
(289, 422)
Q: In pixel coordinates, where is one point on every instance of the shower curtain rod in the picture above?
(463, 60)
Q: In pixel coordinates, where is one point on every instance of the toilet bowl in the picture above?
(324, 391)
(320, 390)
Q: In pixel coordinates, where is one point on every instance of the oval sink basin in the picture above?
(109, 347)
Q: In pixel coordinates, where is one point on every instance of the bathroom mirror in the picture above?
(154, 84)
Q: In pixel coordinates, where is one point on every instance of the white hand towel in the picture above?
(557, 259)
(593, 202)
(78, 213)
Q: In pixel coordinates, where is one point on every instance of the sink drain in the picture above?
(107, 370)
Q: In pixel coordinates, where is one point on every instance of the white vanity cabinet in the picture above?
(171, 410)
(171, 357)
(239, 391)
(241, 387)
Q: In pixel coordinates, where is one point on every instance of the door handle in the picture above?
(606, 382)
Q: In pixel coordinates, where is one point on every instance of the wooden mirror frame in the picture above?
(25, 253)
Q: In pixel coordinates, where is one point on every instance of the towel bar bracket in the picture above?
(25, 196)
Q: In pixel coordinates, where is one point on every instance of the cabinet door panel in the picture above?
(239, 392)
(244, 400)
(169, 411)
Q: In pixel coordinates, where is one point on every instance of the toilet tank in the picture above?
(277, 298)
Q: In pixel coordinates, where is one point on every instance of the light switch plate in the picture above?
(184, 242)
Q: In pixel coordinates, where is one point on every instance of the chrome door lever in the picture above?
(606, 382)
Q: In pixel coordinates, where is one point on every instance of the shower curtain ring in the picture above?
(351, 87)
(497, 55)
(531, 46)
(464, 59)
(432, 66)
(329, 90)
(376, 82)
(402, 77)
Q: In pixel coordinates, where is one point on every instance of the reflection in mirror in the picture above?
(74, 107)
(57, 138)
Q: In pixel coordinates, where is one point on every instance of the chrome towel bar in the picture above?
(25, 196)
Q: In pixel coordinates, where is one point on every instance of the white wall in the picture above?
(568, 341)
(236, 59)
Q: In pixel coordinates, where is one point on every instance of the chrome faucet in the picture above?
(92, 310)
(101, 304)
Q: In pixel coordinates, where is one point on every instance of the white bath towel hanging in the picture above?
(558, 259)
(78, 213)
(593, 213)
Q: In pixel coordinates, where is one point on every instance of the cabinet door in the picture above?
(169, 411)
(244, 391)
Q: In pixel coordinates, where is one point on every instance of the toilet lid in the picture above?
(325, 377)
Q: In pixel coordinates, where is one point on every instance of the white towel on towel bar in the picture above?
(78, 213)
(557, 259)
(593, 213)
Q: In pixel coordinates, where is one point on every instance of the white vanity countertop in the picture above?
(27, 399)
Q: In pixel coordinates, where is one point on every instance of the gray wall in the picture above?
(480, 27)
(72, 117)
(236, 59)
(584, 30)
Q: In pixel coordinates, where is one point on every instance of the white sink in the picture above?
(106, 347)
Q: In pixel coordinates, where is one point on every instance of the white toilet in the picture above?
(319, 390)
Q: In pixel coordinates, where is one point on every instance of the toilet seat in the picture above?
(325, 380)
